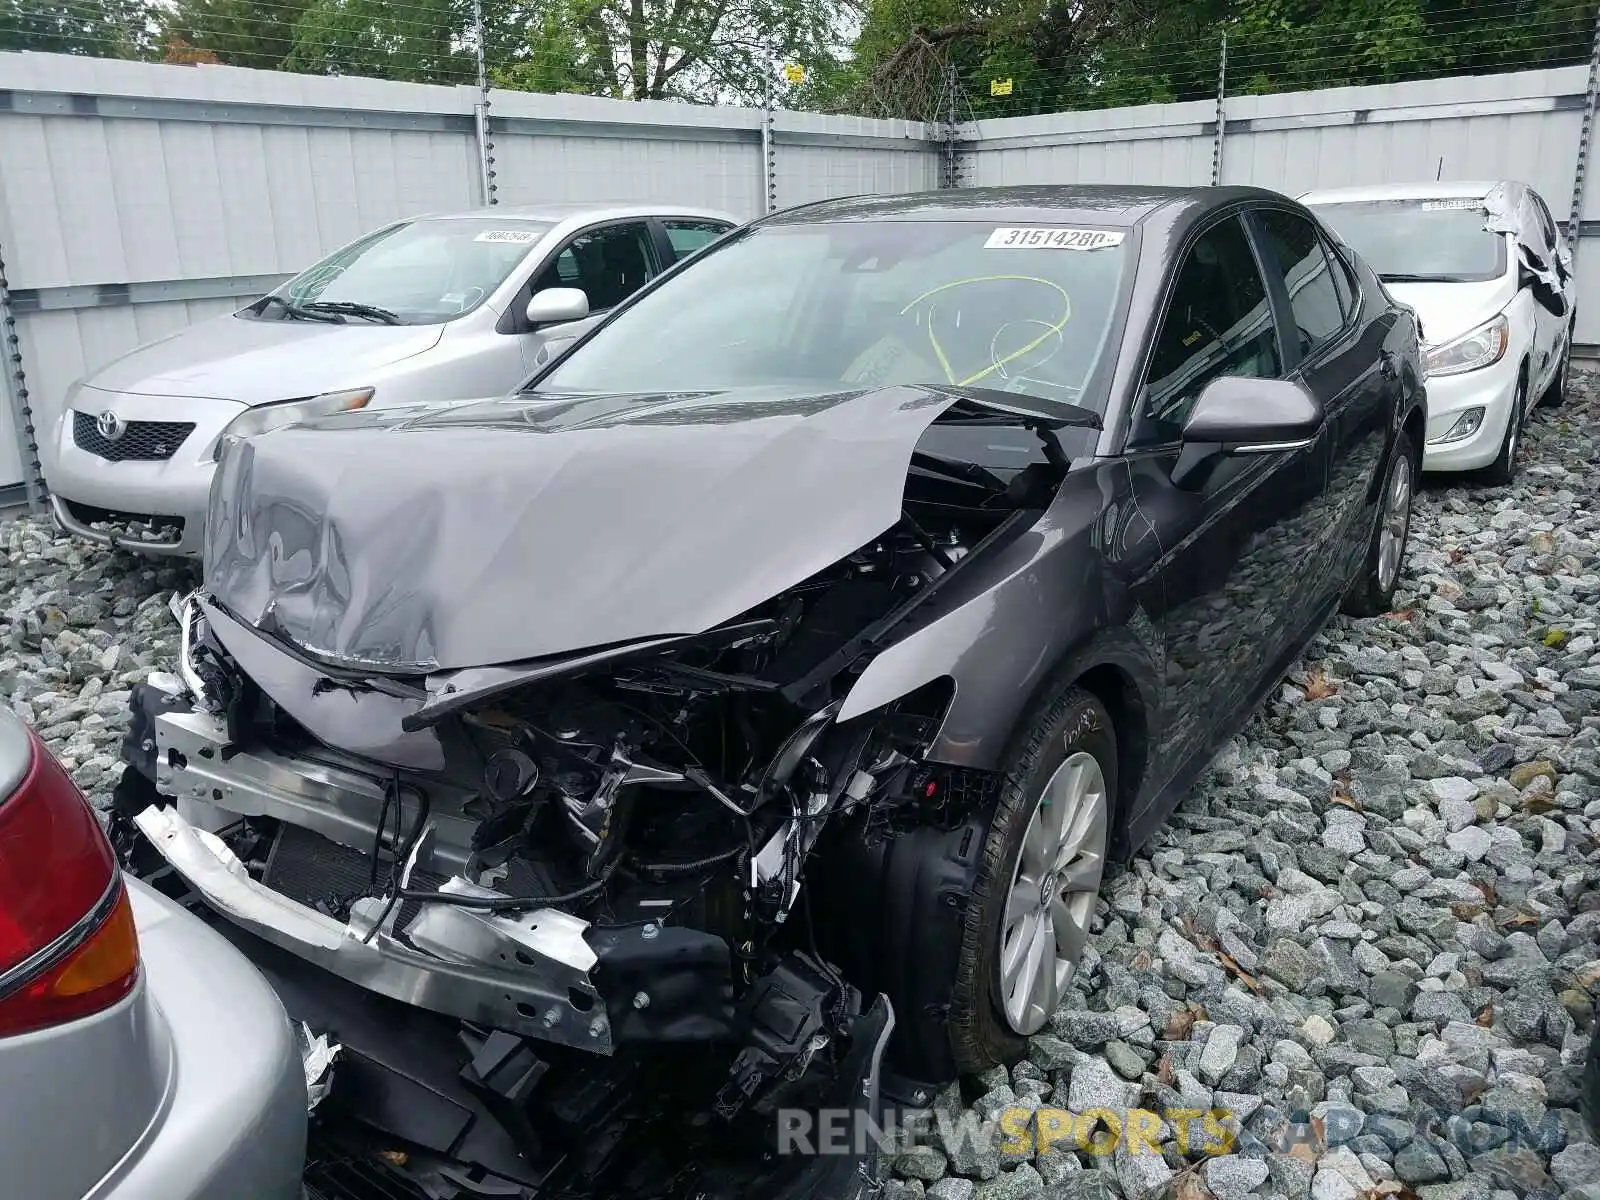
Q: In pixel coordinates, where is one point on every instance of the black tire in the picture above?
(1503, 470)
(1556, 394)
(1372, 591)
(1074, 720)
(916, 916)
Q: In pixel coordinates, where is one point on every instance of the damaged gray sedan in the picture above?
(737, 721)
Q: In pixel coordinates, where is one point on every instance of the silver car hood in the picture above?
(255, 362)
(534, 526)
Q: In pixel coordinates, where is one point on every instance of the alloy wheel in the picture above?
(1052, 895)
(1396, 521)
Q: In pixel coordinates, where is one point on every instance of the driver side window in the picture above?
(609, 264)
(1218, 322)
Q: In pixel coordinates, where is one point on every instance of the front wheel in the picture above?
(1043, 857)
(1372, 593)
(1503, 470)
(1556, 394)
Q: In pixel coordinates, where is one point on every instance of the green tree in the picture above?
(102, 28)
(421, 41)
(238, 32)
(706, 51)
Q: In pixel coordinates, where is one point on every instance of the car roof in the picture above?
(559, 211)
(1118, 206)
(1474, 189)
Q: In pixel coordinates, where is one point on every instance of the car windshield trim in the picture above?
(856, 278)
(426, 271)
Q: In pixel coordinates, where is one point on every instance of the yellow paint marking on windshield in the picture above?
(997, 364)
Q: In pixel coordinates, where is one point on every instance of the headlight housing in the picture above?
(1483, 347)
(266, 417)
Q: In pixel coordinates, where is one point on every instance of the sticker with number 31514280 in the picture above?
(1053, 238)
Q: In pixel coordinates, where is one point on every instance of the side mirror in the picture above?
(1253, 416)
(553, 305)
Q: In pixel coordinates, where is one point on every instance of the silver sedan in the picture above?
(436, 308)
(141, 1055)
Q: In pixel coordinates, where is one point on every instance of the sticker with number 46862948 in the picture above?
(1053, 238)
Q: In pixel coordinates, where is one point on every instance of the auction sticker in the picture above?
(507, 235)
(1053, 238)
(1450, 205)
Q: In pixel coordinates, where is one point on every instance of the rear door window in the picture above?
(688, 236)
(1302, 263)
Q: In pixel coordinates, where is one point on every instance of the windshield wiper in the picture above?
(295, 311)
(353, 308)
(1421, 278)
(991, 406)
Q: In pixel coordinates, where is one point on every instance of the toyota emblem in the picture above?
(111, 426)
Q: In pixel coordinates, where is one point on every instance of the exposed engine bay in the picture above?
(606, 854)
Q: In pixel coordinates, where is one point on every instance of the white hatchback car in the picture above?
(1487, 271)
(436, 308)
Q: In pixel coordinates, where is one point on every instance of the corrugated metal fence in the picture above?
(137, 198)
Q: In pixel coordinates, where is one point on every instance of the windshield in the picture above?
(417, 273)
(1420, 241)
(868, 304)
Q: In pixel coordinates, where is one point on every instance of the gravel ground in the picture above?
(1368, 939)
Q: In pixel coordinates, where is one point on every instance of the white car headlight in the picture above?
(266, 417)
(1484, 346)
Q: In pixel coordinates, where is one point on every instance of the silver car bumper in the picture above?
(528, 972)
(88, 490)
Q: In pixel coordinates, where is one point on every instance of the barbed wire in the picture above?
(943, 82)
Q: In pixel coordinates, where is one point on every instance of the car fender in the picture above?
(1056, 604)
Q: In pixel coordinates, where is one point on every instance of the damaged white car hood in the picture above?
(536, 526)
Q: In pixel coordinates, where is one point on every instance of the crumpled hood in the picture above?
(1448, 310)
(256, 362)
(526, 527)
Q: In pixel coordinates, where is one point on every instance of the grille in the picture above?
(335, 1175)
(141, 441)
(134, 526)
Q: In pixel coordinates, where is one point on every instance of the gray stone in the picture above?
(1055, 1164)
(903, 1189)
(972, 1152)
(1081, 1185)
(1519, 1169)
(1287, 962)
(921, 1162)
(1221, 1051)
(1124, 1060)
(1085, 1030)
(1094, 1085)
(1230, 1177)
(1140, 1175)
(1452, 788)
(1417, 1164)
(1290, 1175)
(1021, 1184)
(1390, 989)
(1577, 1165)
(953, 1188)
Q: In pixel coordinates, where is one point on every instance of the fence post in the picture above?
(769, 151)
(1580, 174)
(950, 131)
(480, 112)
(1222, 91)
(16, 378)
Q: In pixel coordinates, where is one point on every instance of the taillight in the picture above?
(68, 946)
